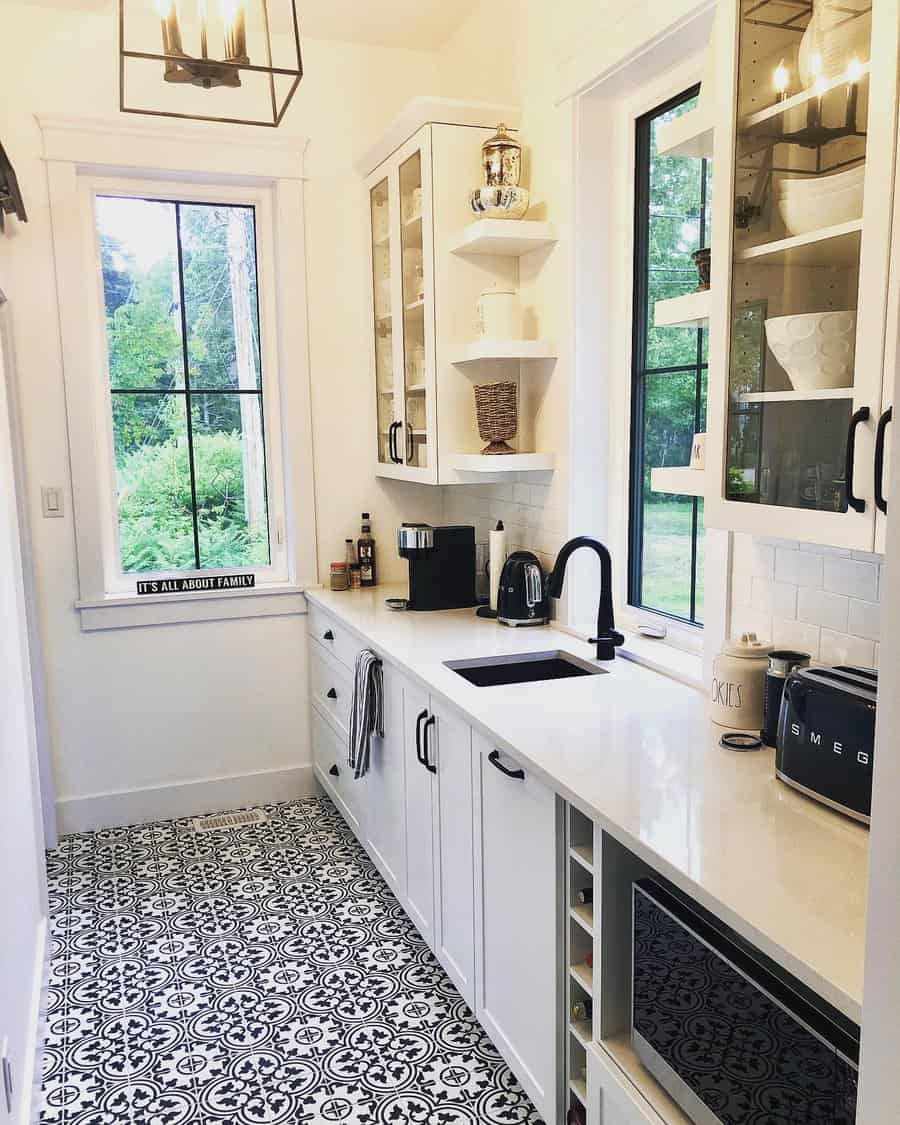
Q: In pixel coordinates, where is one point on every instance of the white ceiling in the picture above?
(422, 24)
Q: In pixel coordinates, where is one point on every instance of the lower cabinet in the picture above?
(330, 755)
(519, 920)
(419, 814)
(449, 747)
(382, 789)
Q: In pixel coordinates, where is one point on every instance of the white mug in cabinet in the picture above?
(698, 452)
(737, 697)
(498, 314)
(415, 365)
(414, 272)
(413, 205)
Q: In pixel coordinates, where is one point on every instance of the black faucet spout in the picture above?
(607, 639)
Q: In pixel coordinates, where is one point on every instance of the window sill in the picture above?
(660, 656)
(131, 611)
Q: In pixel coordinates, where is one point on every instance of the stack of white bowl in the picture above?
(810, 203)
(816, 350)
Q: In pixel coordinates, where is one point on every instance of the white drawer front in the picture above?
(334, 637)
(332, 686)
(330, 756)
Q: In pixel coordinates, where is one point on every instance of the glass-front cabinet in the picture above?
(801, 266)
(403, 305)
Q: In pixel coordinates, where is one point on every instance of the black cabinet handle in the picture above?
(429, 722)
(883, 421)
(334, 771)
(332, 694)
(392, 443)
(494, 759)
(419, 720)
(328, 635)
(861, 415)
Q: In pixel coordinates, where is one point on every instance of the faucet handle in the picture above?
(607, 644)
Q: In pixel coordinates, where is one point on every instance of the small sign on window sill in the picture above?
(213, 582)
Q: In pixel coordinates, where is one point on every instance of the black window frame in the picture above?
(639, 370)
(188, 391)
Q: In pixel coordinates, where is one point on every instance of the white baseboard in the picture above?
(189, 798)
(32, 1071)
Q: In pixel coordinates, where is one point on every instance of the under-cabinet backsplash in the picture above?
(821, 600)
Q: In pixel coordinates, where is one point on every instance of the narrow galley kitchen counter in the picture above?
(635, 751)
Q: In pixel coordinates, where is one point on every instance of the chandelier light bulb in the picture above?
(854, 70)
(781, 80)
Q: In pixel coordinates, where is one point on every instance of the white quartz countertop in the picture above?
(635, 751)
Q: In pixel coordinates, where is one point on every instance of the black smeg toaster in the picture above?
(826, 737)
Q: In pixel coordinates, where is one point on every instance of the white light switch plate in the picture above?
(52, 502)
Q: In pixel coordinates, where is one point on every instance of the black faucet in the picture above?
(607, 639)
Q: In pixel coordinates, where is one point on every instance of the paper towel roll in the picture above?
(497, 559)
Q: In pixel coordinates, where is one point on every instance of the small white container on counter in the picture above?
(737, 696)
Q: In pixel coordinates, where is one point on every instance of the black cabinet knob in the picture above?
(332, 694)
(334, 771)
(328, 635)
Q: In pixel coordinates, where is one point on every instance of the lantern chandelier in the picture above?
(173, 53)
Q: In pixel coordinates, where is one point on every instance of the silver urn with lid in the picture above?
(502, 196)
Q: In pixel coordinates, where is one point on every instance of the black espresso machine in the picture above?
(441, 565)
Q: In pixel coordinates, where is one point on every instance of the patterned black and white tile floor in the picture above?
(252, 976)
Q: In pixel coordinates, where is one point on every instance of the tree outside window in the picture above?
(669, 372)
(182, 326)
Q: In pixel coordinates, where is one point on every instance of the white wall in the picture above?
(21, 840)
(157, 707)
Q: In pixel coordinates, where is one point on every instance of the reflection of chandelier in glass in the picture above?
(243, 29)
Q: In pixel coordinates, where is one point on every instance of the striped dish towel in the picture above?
(367, 713)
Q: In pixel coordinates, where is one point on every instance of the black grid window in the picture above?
(669, 372)
(181, 304)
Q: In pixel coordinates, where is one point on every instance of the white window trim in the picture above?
(208, 163)
(605, 116)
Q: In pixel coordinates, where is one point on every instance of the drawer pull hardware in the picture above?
(332, 694)
(328, 635)
(861, 415)
(334, 771)
(494, 759)
(429, 722)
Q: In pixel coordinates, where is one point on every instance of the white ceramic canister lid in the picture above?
(747, 647)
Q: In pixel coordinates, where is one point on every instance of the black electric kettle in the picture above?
(522, 598)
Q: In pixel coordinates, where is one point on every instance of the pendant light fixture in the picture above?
(231, 61)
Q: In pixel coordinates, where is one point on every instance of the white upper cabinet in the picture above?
(430, 262)
(804, 162)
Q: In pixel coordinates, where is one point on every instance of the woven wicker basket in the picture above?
(497, 406)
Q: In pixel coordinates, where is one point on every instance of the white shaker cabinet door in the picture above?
(419, 815)
(384, 789)
(449, 750)
(519, 923)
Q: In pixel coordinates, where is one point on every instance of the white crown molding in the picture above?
(434, 111)
(180, 147)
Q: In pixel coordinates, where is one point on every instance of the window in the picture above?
(669, 372)
(181, 308)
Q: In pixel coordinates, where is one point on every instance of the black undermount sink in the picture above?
(528, 668)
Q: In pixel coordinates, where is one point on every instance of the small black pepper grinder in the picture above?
(781, 663)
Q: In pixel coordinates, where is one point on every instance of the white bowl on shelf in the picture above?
(816, 350)
(810, 203)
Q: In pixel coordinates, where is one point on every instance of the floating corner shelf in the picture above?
(689, 311)
(678, 481)
(507, 237)
(479, 351)
(511, 463)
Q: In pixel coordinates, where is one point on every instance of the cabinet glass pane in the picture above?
(381, 287)
(803, 90)
(416, 451)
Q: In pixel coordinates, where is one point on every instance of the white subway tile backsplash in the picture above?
(841, 648)
(797, 567)
(796, 635)
(746, 619)
(865, 619)
(777, 598)
(852, 578)
(818, 607)
(757, 559)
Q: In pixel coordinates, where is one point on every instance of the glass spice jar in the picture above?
(339, 578)
(355, 577)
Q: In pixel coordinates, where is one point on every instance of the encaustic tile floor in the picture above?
(264, 974)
